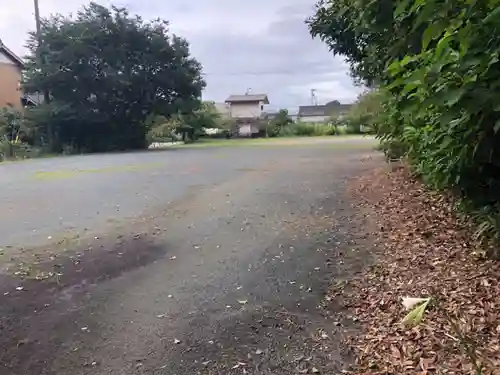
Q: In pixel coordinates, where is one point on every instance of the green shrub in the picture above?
(437, 66)
(278, 125)
(303, 129)
(288, 131)
(449, 121)
(353, 129)
(306, 129)
(161, 129)
(341, 130)
(393, 149)
(13, 151)
(273, 129)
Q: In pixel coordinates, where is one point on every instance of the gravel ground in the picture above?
(209, 261)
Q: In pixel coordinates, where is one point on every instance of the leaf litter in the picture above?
(424, 251)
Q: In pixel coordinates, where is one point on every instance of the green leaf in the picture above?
(432, 32)
(442, 45)
(401, 8)
(492, 15)
(454, 96)
(496, 128)
(415, 316)
(406, 60)
(411, 86)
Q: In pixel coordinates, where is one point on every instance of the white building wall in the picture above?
(4, 59)
(314, 118)
(246, 130)
(239, 110)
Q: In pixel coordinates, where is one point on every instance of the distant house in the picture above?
(269, 115)
(248, 112)
(11, 67)
(247, 106)
(313, 113)
(337, 109)
(272, 116)
(323, 113)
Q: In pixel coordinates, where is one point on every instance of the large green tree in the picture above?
(105, 72)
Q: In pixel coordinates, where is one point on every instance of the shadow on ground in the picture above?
(43, 303)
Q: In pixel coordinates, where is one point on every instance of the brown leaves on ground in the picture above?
(424, 251)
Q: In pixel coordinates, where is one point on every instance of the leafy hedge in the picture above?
(437, 64)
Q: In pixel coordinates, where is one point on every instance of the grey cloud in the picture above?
(274, 60)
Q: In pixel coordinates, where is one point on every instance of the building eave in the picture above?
(248, 98)
(11, 55)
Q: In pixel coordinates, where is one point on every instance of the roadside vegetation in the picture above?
(434, 70)
(357, 121)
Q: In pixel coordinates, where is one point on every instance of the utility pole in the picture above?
(314, 100)
(41, 63)
(37, 20)
(39, 50)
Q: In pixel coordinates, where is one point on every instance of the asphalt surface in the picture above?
(189, 261)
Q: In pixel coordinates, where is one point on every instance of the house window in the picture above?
(262, 107)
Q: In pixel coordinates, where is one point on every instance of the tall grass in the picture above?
(304, 129)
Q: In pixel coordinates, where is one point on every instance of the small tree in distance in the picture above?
(281, 120)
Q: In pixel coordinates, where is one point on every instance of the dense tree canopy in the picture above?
(106, 71)
(438, 64)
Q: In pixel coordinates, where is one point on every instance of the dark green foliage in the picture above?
(308, 129)
(11, 124)
(161, 128)
(276, 125)
(17, 135)
(106, 71)
(206, 116)
(438, 64)
(184, 126)
(305, 129)
(364, 115)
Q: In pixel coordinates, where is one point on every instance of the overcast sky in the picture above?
(261, 44)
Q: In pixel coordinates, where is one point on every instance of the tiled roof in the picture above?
(323, 110)
(248, 98)
(313, 110)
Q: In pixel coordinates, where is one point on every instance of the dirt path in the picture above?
(226, 278)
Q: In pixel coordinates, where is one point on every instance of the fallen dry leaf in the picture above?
(422, 249)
